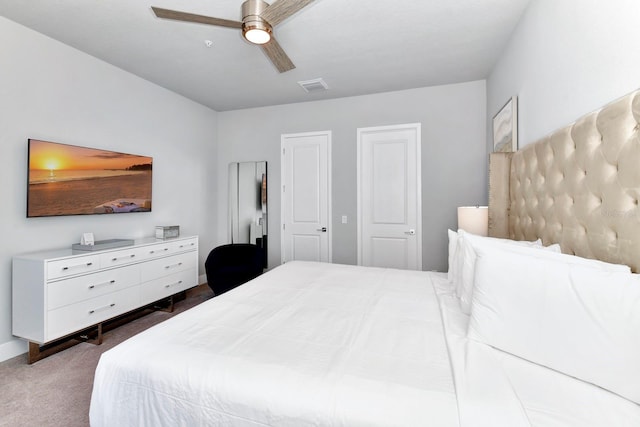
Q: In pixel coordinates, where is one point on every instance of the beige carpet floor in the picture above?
(56, 391)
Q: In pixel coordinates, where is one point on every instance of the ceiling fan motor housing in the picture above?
(251, 20)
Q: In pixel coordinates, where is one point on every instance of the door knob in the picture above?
(323, 229)
(411, 232)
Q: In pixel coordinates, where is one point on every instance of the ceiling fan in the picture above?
(258, 20)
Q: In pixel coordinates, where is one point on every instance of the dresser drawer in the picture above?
(72, 290)
(172, 264)
(163, 287)
(155, 251)
(169, 247)
(184, 245)
(74, 317)
(121, 257)
(72, 266)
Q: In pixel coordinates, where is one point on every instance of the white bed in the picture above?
(312, 344)
(515, 337)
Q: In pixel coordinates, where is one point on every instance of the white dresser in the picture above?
(59, 292)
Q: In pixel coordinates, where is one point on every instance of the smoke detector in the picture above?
(315, 85)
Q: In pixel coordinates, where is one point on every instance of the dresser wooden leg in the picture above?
(37, 352)
(34, 352)
(169, 305)
(94, 337)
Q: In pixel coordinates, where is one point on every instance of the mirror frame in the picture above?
(248, 204)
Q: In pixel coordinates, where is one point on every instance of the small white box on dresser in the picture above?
(167, 231)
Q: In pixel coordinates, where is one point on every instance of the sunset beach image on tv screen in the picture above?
(73, 180)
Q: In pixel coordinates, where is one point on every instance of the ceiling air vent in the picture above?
(315, 85)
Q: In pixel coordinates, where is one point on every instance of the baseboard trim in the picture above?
(202, 279)
(11, 349)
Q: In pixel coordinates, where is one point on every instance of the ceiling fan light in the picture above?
(257, 35)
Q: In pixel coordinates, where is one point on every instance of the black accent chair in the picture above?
(228, 266)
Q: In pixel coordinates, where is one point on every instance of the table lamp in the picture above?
(474, 219)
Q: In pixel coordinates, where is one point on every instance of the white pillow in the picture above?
(554, 248)
(467, 259)
(581, 318)
(453, 244)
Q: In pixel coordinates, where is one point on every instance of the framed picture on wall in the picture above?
(505, 127)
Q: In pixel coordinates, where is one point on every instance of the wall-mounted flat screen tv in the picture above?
(72, 180)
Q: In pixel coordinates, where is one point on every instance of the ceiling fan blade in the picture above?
(190, 17)
(282, 9)
(276, 54)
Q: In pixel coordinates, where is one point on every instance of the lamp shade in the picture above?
(474, 219)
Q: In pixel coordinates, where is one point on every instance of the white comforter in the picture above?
(304, 345)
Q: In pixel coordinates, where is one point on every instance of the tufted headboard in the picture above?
(579, 187)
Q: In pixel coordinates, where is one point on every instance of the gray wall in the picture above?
(53, 92)
(453, 156)
(565, 59)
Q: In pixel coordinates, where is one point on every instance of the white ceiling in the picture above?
(356, 46)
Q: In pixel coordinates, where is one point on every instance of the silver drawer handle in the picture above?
(89, 264)
(110, 282)
(116, 258)
(411, 232)
(190, 244)
(173, 265)
(106, 307)
(173, 284)
(153, 252)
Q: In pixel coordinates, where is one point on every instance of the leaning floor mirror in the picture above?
(248, 204)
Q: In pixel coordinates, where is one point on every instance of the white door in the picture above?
(306, 210)
(389, 197)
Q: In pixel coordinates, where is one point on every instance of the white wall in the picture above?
(453, 156)
(566, 58)
(53, 92)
